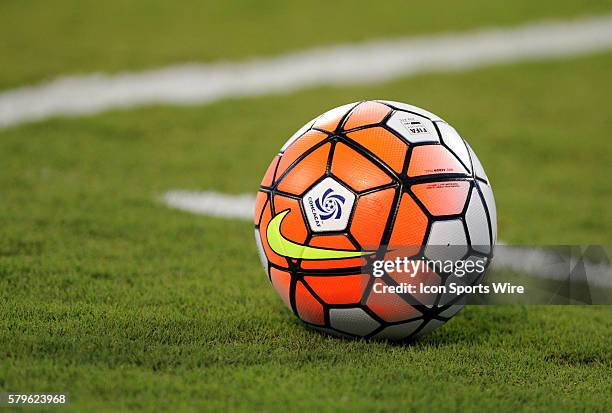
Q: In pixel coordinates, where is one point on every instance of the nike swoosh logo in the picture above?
(287, 248)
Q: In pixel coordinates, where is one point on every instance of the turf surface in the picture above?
(107, 294)
(125, 304)
(41, 40)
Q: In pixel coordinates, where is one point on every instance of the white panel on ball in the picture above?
(411, 108)
(455, 142)
(399, 331)
(328, 206)
(447, 241)
(451, 311)
(478, 169)
(260, 251)
(413, 128)
(352, 320)
(476, 220)
(490, 201)
(430, 326)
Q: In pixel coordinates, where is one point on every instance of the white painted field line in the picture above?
(212, 203)
(526, 260)
(547, 265)
(369, 62)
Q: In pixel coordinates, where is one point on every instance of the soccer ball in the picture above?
(352, 187)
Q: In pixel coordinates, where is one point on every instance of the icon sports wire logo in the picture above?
(330, 205)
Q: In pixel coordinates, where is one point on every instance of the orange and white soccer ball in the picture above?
(370, 176)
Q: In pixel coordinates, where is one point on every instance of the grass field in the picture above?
(125, 304)
(41, 40)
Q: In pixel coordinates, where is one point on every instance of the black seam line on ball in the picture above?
(312, 122)
(280, 193)
(439, 178)
(392, 106)
(448, 148)
(258, 219)
(467, 200)
(321, 179)
(312, 291)
(345, 137)
(292, 287)
(298, 264)
(468, 238)
(328, 133)
(465, 145)
(325, 272)
(360, 128)
(393, 211)
(386, 235)
(489, 220)
(361, 150)
(300, 158)
(273, 212)
(378, 124)
(395, 323)
(269, 271)
(382, 188)
(372, 314)
(406, 297)
(406, 189)
(378, 188)
(353, 207)
(345, 117)
(398, 135)
(280, 156)
(330, 156)
(407, 158)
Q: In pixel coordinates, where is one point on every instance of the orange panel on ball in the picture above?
(371, 216)
(260, 201)
(389, 306)
(367, 113)
(433, 159)
(268, 178)
(306, 172)
(293, 226)
(297, 149)
(409, 227)
(308, 308)
(443, 198)
(281, 280)
(423, 275)
(330, 120)
(382, 143)
(355, 170)
(341, 289)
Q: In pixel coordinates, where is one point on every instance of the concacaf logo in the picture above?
(330, 205)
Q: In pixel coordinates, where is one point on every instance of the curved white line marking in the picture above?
(369, 62)
(525, 260)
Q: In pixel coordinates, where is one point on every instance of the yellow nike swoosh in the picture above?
(286, 248)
